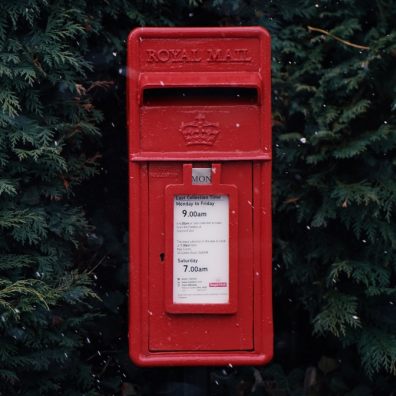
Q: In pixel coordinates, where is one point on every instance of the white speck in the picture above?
(257, 273)
(317, 5)
(114, 53)
(323, 105)
(38, 274)
(237, 125)
(113, 125)
(355, 317)
(95, 277)
(230, 365)
(385, 122)
(217, 382)
(88, 340)
(55, 143)
(303, 140)
(390, 302)
(162, 83)
(120, 70)
(191, 14)
(66, 355)
(224, 371)
(150, 313)
(99, 353)
(364, 241)
(308, 227)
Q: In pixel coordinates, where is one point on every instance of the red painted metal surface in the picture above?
(200, 98)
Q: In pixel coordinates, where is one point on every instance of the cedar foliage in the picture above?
(45, 124)
(63, 215)
(334, 181)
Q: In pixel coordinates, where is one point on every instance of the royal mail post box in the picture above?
(199, 117)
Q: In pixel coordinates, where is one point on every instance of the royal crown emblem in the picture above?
(200, 131)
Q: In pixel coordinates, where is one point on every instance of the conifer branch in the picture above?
(346, 42)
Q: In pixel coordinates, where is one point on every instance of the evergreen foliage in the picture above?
(335, 153)
(334, 179)
(63, 221)
(46, 126)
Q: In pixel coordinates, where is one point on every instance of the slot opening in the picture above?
(200, 96)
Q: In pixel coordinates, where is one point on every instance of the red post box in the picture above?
(199, 116)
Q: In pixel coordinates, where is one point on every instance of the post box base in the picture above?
(200, 359)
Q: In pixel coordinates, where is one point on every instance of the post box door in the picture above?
(197, 331)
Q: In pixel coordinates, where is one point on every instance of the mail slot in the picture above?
(199, 119)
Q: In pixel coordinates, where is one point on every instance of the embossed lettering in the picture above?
(163, 55)
(243, 53)
(228, 56)
(238, 55)
(184, 56)
(173, 55)
(213, 55)
(193, 55)
(151, 56)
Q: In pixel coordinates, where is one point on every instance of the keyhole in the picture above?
(162, 256)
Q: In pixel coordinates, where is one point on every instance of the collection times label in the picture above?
(201, 249)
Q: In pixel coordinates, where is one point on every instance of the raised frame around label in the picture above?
(187, 188)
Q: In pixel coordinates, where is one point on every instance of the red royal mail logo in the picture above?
(200, 131)
(217, 284)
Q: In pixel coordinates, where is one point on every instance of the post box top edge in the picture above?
(199, 32)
